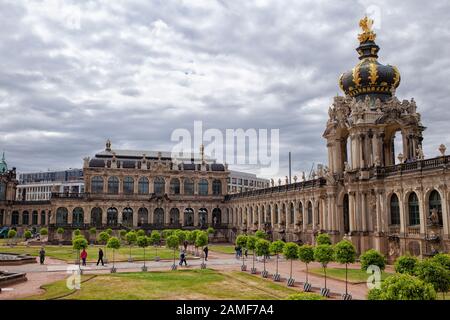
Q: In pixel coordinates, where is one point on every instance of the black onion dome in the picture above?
(369, 77)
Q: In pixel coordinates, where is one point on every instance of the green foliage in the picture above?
(202, 239)
(403, 287)
(172, 242)
(79, 243)
(191, 235)
(261, 234)
(372, 257)
(123, 234)
(155, 238)
(241, 241)
(167, 233)
(43, 231)
(76, 232)
(323, 238)
(131, 237)
(251, 242)
(60, 230)
(27, 234)
(103, 237)
(344, 252)
(406, 264)
(140, 233)
(433, 273)
(276, 247)
(306, 253)
(113, 243)
(109, 231)
(324, 254)
(143, 241)
(305, 296)
(262, 247)
(290, 251)
(210, 230)
(12, 233)
(181, 235)
(443, 259)
(93, 231)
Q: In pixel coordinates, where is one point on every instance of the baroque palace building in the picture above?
(361, 195)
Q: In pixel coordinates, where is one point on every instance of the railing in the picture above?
(414, 230)
(394, 229)
(122, 196)
(419, 165)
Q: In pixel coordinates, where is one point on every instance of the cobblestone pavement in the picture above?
(54, 270)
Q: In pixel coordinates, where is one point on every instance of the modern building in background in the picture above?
(242, 182)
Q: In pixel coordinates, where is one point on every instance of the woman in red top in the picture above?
(83, 256)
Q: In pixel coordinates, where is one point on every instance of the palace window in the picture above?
(413, 209)
(174, 186)
(77, 217)
(128, 185)
(217, 187)
(97, 184)
(96, 217)
(143, 185)
(309, 212)
(113, 185)
(435, 203)
(203, 187)
(395, 210)
(159, 185)
(62, 216)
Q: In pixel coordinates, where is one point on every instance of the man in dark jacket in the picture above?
(205, 250)
(42, 255)
(100, 256)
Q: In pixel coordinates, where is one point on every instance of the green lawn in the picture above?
(66, 253)
(222, 248)
(170, 285)
(354, 275)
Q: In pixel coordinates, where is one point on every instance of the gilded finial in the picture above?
(366, 25)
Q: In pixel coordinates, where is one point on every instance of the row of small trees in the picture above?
(27, 234)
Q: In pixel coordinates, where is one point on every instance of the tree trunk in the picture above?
(346, 282)
(306, 272)
(290, 276)
(144, 256)
(253, 258)
(325, 272)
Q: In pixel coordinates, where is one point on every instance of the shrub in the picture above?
(241, 241)
(140, 233)
(27, 234)
(403, 287)
(443, 259)
(290, 251)
(372, 257)
(201, 239)
(406, 264)
(43, 231)
(435, 274)
(261, 234)
(155, 238)
(76, 232)
(142, 241)
(210, 230)
(305, 296)
(12, 233)
(79, 243)
(344, 252)
(103, 237)
(251, 242)
(93, 231)
(109, 231)
(323, 238)
(167, 233)
(131, 237)
(262, 247)
(113, 243)
(181, 235)
(123, 234)
(60, 230)
(276, 247)
(306, 253)
(172, 242)
(324, 254)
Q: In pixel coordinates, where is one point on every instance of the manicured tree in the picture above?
(76, 233)
(276, 248)
(290, 252)
(372, 257)
(323, 238)
(142, 242)
(195, 232)
(92, 233)
(260, 234)
(406, 264)
(167, 233)
(241, 241)
(155, 239)
(60, 232)
(306, 255)
(403, 287)
(123, 234)
(435, 274)
(113, 243)
(181, 235)
(263, 249)
(103, 238)
(200, 241)
(11, 234)
(251, 245)
(190, 237)
(172, 242)
(131, 239)
(140, 233)
(79, 243)
(210, 231)
(27, 235)
(443, 259)
(324, 254)
(109, 231)
(43, 232)
(345, 253)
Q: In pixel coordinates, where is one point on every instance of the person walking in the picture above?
(42, 255)
(83, 257)
(246, 253)
(183, 258)
(100, 256)
(206, 250)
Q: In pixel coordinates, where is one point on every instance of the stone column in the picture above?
(422, 211)
(403, 211)
(182, 185)
(445, 211)
(351, 202)
(364, 211)
(135, 214)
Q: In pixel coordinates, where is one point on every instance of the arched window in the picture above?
(113, 185)
(346, 214)
(188, 186)
(61, 216)
(142, 216)
(291, 214)
(2, 191)
(25, 218)
(202, 217)
(413, 210)
(309, 213)
(174, 216)
(34, 218)
(159, 186)
(127, 217)
(77, 217)
(111, 217)
(276, 214)
(269, 215)
(143, 185)
(15, 218)
(96, 217)
(174, 186)
(395, 210)
(189, 217)
(97, 184)
(128, 185)
(217, 187)
(283, 214)
(158, 217)
(217, 216)
(203, 187)
(42, 218)
(300, 213)
(435, 203)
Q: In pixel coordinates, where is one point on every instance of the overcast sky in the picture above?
(74, 73)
